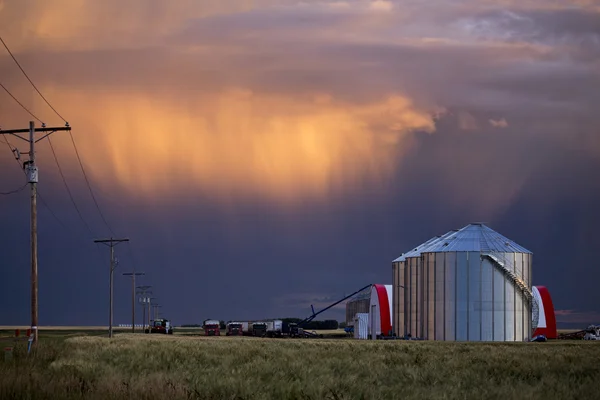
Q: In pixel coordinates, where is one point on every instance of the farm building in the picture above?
(380, 310)
(374, 305)
(471, 284)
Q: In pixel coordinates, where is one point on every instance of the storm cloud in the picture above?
(259, 153)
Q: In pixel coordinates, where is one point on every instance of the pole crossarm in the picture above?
(48, 130)
(111, 242)
(42, 129)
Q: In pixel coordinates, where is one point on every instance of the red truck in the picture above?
(211, 327)
(234, 329)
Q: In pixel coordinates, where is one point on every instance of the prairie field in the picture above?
(86, 365)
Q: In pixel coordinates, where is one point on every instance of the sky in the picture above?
(266, 155)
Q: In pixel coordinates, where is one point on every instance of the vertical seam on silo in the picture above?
(423, 312)
(504, 306)
(480, 299)
(445, 299)
(514, 301)
(407, 296)
(435, 310)
(523, 301)
(455, 297)
(492, 270)
(410, 277)
(422, 297)
(468, 288)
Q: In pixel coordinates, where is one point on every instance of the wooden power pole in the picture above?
(111, 243)
(31, 171)
(133, 275)
(144, 290)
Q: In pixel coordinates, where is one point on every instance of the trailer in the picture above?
(275, 328)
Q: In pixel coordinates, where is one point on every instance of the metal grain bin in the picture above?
(357, 304)
(471, 284)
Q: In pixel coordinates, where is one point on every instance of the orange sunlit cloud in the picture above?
(238, 142)
(274, 98)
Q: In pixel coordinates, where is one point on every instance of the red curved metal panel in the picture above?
(550, 330)
(384, 309)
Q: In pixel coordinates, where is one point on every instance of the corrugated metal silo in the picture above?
(357, 304)
(471, 284)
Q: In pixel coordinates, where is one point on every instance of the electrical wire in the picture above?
(88, 184)
(72, 139)
(19, 103)
(30, 81)
(69, 190)
(14, 191)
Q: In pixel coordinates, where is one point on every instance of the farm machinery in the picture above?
(592, 332)
(297, 331)
(161, 326)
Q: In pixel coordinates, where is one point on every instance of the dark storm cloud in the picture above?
(533, 180)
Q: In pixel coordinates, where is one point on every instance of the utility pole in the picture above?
(133, 275)
(156, 307)
(111, 243)
(144, 290)
(31, 171)
(149, 306)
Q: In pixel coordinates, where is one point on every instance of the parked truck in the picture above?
(259, 329)
(211, 327)
(234, 329)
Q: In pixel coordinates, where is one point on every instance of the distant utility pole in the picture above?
(111, 243)
(133, 275)
(32, 177)
(149, 306)
(156, 307)
(144, 290)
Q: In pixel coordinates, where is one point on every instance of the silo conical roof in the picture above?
(473, 237)
(423, 247)
(477, 237)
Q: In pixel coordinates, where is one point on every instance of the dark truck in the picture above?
(259, 329)
(234, 329)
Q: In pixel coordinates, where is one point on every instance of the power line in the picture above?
(72, 139)
(67, 187)
(19, 103)
(14, 191)
(30, 81)
(88, 185)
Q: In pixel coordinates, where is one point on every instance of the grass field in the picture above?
(75, 365)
